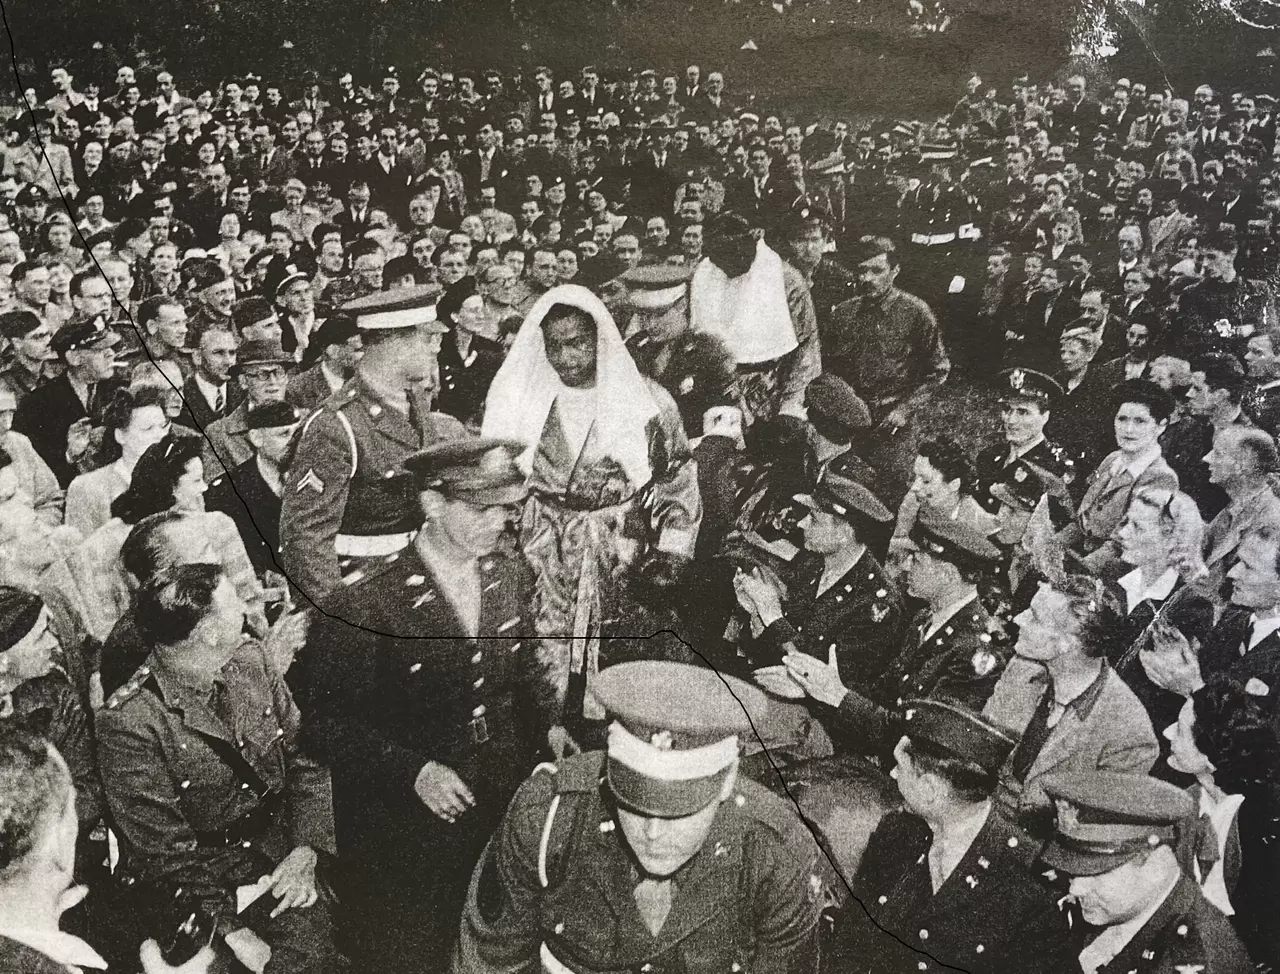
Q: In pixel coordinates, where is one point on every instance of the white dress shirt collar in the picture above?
(1157, 591)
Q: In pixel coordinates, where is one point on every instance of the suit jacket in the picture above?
(244, 496)
(992, 914)
(1112, 733)
(1223, 652)
(1262, 405)
(1184, 445)
(352, 226)
(227, 443)
(1106, 501)
(1082, 418)
(464, 381)
(197, 414)
(45, 415)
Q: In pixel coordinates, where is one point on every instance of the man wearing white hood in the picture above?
(612, 483)
(759, 306)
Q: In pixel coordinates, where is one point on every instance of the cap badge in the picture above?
(1020, 474)
(983, 662)
(662, 740)
(1017, 378)
(878, 612)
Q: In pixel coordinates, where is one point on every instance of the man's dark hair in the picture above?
(20, 322)
(35, 786)
(1222, 373)
(79, 277)
(1144, 392)
(950, 460)
(1088, 606)
(402, 266)
(1221, 238)
(177, 600)
(149, 310)
(20, 271)
(1232, 730)
(146, 552)
(970, 783)
(322, 231)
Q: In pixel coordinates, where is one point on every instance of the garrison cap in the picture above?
(834, 400)
(88, 334)
(480, 471)
(1030, 384)
(673, 734)
(19, 612)
(952, 540)
(1106, 818)
(402, 307)
(962, 732)
(846, 499)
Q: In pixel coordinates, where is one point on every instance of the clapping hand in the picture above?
(1171, 661)
(757, 596)
(818, 679)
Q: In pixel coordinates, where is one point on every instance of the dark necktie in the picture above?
(219, 402)
(653, 900)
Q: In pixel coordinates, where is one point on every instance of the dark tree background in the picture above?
(848, 57)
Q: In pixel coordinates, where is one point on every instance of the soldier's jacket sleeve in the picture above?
(675, 499)
(806, 364)
(788, 906)
(308, 790)
(500, 933)
(336, 682)
(147, 812)
(315, 495)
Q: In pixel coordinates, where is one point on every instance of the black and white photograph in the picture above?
(639, 487)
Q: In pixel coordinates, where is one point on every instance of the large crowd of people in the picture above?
(472, 522)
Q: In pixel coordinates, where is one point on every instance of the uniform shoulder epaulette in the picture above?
(580, 772)
(129, 689)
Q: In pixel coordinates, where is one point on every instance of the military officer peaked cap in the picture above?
(953, 540)
(481, 471)
(846, 499)
(673, 733)
(402, 307)
(968, 735)
(653, 287)
(88, 334)
(1106, 818)
(1030, 384)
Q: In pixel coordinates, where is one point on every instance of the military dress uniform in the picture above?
(347, 499)
(391, 679)
(558, 886)
(989, 915)
(994, 465)
(1105, 819)
(210, 791)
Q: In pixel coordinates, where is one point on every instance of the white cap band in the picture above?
(406, 318)
(665, 764)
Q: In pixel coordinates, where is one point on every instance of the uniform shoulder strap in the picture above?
(576, 779)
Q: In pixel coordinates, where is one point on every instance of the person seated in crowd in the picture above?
(208, 394)
(164, 320)
(1262, 362)
(1146, 589)
(1245, 464)
(1027, 401)
(249, 494)
(34, 360)
(1082, 411)
(207, 781)
(262, 371)
(168, 476)
(469, 358)
(57, 417)
(847, 613)
(943, 487)
(32, 475)
(1116, 839)
(131, 423)
(948, 876)
(1142, 412)
(1224, 739)
(1212, 403)
(1059, 693)
(38, 833)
